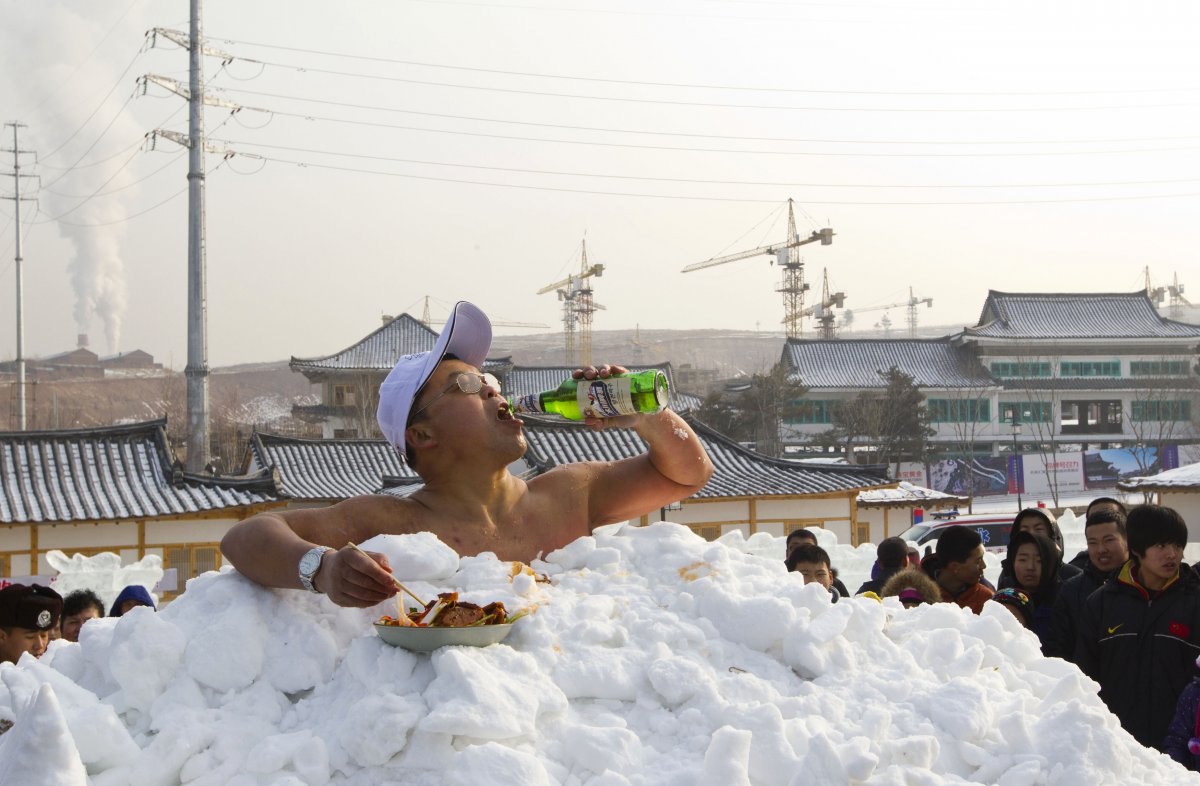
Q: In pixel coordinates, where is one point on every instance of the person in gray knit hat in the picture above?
(447, 417)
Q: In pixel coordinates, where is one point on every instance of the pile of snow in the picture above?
(652, 657)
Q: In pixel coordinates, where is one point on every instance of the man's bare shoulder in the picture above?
(357, 518)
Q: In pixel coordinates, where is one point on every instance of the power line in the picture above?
(709, 104)
(132, 216)
(605, 175)
(315, 165)
(709, 136)
(116, 84)
(687, 85)
(626, 145)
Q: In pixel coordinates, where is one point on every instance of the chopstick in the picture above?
(395, 580)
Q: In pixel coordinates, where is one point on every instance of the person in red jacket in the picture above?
(957, 567)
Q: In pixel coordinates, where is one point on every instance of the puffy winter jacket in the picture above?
(1184, 727)
(1141, 646)
(972, 596)
(1068, 607)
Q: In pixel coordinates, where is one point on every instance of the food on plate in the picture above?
(450, 612)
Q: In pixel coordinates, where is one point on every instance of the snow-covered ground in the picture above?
(651, 657)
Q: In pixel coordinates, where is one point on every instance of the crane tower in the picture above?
(787, 257)
(578, 306)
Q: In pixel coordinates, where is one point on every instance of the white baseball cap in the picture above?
(468, 336)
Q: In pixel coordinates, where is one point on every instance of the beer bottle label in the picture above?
(528, 403)
(605, 398)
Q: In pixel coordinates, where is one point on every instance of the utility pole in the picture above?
(16, 197)
(197, 318)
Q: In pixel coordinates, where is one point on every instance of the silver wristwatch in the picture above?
(310, 563)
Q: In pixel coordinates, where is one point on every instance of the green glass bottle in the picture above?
(621, 394)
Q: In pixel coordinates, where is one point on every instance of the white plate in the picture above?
(428, 639)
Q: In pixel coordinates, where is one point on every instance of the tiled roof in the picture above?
(861, 363)
(907, 495)
(1186, 478)
(1008, 315)
(738, 472)
(379, 351)
(327, 469)
(335, 469)
(120, 472)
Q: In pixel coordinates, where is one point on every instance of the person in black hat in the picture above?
(891, 558)
(27, 615)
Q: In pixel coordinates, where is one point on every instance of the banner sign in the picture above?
(978, 477)
(1061, 470)
(1106, 467)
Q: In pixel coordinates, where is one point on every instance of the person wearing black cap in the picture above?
(27, 614)
(891, 558)
(447, 417)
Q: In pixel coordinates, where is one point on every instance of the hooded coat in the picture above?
(1044, 595)
(1066, 569)
(132, 592)
(1141, 646)
(1185, 726)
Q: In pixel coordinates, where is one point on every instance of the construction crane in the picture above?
(823, 312)
(429, 322)
(786, 256)
(1174, 291)
(575, 292)
(911, 304)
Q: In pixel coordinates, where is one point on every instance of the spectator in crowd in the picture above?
(1183, 733)
(1105, 503)
(1139, 633)
(1032, 566)
(800, 537)
(812, 562)
(79, 607)
(27, 615)
(1016, 601)
(891, 557)
(914, 556)
(913, 587)
(957, 567)
(1041, 521)
(1107, 550)
(130, 598)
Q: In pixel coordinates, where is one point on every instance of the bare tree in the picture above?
(1037, 380)
(1162, 410)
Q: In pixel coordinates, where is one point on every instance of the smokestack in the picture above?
(82, 341)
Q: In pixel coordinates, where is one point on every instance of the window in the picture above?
(1026, 412)
(1010, 369)
(814, 411)
(1157, 368)
(953, 410)
(708, 533)
(345, 395)
(1090, 368)
(191, 559)
(1160, 411)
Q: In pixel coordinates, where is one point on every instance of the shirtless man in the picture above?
(457, 433)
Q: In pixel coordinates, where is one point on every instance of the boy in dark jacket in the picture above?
(1140, 632)
(1107, 551)
(1040, 521)
(891, 557)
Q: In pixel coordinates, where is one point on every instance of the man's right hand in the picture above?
(350, 578)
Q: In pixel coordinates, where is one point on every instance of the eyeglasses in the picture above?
(467, 382)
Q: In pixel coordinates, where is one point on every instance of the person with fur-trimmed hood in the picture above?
(957, 567)
(1140, 632)
(913, 587)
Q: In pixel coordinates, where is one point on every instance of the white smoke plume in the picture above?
(41, 45)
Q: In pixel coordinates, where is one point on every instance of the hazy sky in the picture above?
(462, 150)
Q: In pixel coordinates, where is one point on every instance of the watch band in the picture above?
(310, 563)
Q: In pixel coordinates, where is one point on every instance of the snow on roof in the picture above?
(652, 658)
(1036, 315)
(907, 494)
(1179, 479)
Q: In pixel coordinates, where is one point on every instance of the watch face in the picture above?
(310, 562)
